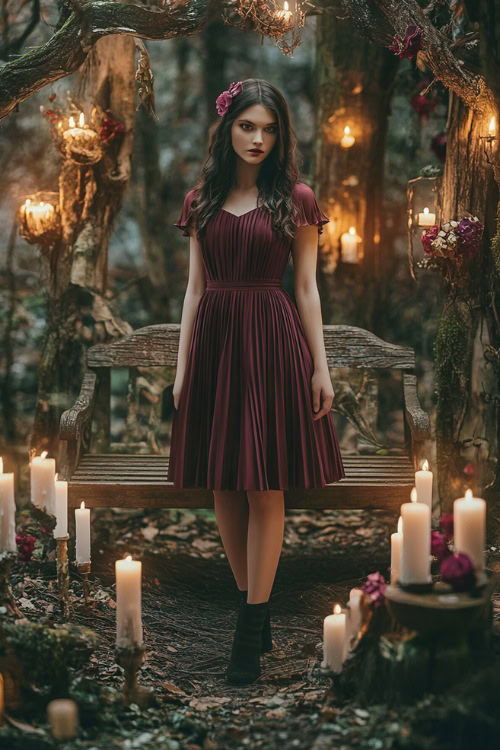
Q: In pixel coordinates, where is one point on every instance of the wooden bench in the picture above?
(101, 476)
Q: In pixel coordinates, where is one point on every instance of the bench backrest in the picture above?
(157, 345)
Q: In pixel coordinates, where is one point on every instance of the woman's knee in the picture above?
(227, 497)
(265, 500)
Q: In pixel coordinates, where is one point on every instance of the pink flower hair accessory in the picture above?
(224, 100)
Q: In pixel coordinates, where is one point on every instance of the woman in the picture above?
(252, 393)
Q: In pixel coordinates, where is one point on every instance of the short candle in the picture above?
(423, 484)
(334, 636)
(426, 219)
(82, 523)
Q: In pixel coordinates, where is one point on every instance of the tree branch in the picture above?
(68, 48)
(447, 68)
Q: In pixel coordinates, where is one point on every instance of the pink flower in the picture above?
(428, 238)
(446, 523)
(424, 105)
(374, 586)
(410, 45)
(224, 100)
(457, 569)
(439, 546)
(469, 470)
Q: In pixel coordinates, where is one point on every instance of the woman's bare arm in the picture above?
(304, 255)
(195, 288)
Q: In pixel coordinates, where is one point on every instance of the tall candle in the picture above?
(62, 715)
(43, 471)
(128, 602)
(416, 545)
(7, 513)
(82, 522)
(396, 542)
(334, 628)
(469, 527)
(423, 483)
(61, 488)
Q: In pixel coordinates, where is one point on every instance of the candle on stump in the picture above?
(61, 489)
(128, 602)
(334, 628)
(7, 511)
(416, 544)
(423, 484)
(62, 716)
(469, 528)
(426, 219)
(43, 471)
(82, 522)
(396, 542)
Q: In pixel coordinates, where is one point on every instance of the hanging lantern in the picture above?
(39, 218)
(421, 191)
(349, 244)
(81, 143)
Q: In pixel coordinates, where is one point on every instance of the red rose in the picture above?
(457, 569)
(439, 546)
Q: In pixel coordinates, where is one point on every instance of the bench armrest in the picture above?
(73, 421)
(415, 417)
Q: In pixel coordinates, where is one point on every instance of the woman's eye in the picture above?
(270, 129)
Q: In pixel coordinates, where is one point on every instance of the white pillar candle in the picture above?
(416, 545)
(423, 483)
(7, 513)
(469, 528)
(355, 596)
(82, 522)
(43, 471)
(61, 488)
(396, 542)
(349, 246)
(128, 602)
(62, 716)
(426, 219)
(334, 627)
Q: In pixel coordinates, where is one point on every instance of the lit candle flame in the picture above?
(44, 453)
(413, 495)
(82, 504)
(492, 126)
(337, 610)
(352, 230)
(285, 5)
(82, 120)
(28, 201)
(468, 495)
(425, 465)
(400, 525)
(128, 558)
(347, 130)
(426, 210)
(72, 122)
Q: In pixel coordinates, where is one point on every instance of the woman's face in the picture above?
(256, 127)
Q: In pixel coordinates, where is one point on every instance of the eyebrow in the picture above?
(244, 119)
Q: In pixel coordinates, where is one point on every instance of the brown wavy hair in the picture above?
(279, 171)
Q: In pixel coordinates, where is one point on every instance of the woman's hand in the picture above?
(322, 393)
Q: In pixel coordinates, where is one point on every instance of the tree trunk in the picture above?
(354, 87)
(462, 416)
(89, 200)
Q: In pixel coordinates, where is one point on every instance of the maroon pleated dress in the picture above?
(245, 414)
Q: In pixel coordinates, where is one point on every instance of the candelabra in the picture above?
(130, 658)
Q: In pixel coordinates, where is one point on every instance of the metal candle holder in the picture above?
(130, 659)
(6, 596)
(63, 574)
(84, 570)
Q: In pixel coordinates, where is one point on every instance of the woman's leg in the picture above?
(266, 524)
(231, 511)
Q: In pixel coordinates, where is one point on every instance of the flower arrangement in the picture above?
(456, 568)
(451, 248)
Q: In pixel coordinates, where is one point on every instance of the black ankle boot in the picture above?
(244, 665)
(267, 641)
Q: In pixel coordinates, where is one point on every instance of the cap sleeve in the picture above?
(309, 211)
(183, 220)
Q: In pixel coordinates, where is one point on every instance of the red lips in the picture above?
(255, 151)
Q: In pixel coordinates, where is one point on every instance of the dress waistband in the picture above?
(258, 284)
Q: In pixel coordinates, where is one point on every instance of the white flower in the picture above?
(446, 227)
(441, 234)
(454, 223)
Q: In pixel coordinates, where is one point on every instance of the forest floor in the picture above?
(190, 601)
